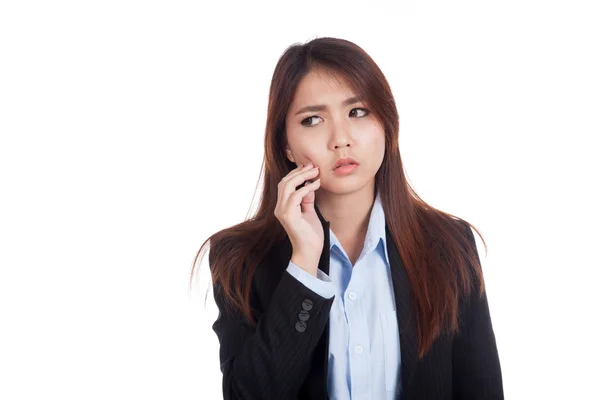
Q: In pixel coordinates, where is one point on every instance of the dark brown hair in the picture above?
(437, 248)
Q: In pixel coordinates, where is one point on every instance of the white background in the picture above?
(131, 131)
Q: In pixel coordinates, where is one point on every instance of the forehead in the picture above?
(320, 86)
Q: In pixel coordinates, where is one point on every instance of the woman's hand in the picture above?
(295, 210)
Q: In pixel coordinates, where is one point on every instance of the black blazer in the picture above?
(285, 356)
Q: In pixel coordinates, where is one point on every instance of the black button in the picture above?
(303, 315)
(300, 326)
(307, 304)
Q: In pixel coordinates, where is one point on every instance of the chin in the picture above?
(342, 187)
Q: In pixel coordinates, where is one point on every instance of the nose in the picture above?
(341, 135)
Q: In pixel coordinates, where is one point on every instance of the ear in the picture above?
(289, 155)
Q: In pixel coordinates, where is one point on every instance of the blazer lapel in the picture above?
(407, 324)
(323, 345)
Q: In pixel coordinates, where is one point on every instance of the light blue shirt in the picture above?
(364, 343)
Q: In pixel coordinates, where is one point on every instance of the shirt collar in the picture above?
(375, 231)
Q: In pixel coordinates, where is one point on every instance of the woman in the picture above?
(346, 284)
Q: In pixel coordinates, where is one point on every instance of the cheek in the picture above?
(376, 146)
(374, 139)
(311, 152)
(313, 147)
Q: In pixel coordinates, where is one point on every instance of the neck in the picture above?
(348, 213)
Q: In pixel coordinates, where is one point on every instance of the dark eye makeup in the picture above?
(306, 121)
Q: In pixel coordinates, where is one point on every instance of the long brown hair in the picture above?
(437, 248)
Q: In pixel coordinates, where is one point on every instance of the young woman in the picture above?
(346, 284)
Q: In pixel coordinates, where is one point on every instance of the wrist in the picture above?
(308, 264)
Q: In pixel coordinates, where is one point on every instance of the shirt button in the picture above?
(352, 296)
(358, 349)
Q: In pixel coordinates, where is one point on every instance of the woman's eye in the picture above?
(306, 121)
(366, 112)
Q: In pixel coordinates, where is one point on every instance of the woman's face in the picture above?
(338, 130)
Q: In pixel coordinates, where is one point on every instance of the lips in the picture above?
(344, 161)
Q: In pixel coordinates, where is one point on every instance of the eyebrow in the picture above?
(321, 107)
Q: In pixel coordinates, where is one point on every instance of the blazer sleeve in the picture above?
(320, 284)
(475, 362)
(272, 359)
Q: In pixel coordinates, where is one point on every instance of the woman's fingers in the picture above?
(295, 198)
(289, 185)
